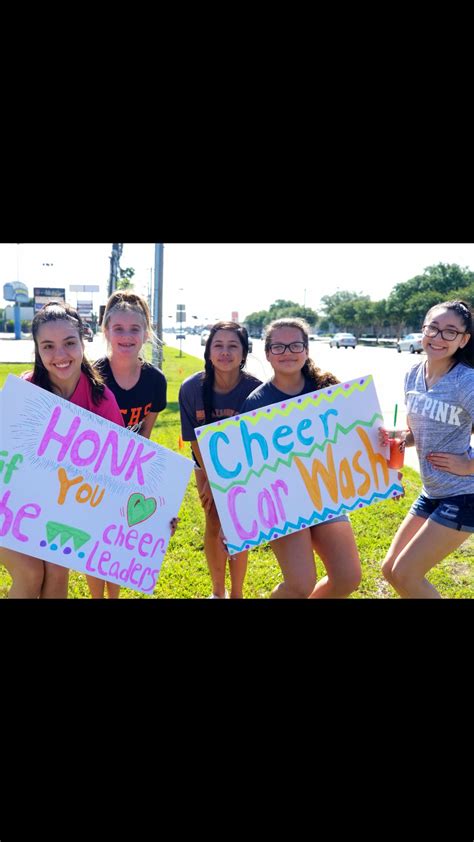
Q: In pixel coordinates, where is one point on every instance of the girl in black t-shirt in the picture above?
(139, 387)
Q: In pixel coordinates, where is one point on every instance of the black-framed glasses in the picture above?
(294, 347)
(449, 334)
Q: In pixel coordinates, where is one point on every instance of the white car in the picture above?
(343, 340)
(411, 342)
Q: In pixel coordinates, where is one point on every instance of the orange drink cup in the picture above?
(397, 449)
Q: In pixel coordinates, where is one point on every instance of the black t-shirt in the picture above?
(148, 395)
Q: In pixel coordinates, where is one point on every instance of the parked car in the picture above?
(343, 340)
(411, 342)
(319, 337)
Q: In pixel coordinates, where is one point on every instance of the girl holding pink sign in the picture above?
(60, 367)
(294, 374)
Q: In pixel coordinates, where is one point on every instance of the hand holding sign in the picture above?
(83, 492)
(287, 466)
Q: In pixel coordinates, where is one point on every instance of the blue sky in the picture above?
(213, 280)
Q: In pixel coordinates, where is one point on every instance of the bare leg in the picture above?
(27, 574)
(238, 569)
(336, 547)
(96, 587)
(407, 530)
(113, 590)
(216, 556)
(430, 545)
(55, 583)
(294, 554)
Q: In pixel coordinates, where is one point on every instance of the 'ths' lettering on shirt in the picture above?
(440, 418)
(148, 395)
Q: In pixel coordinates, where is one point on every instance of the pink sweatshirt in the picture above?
(82, 396)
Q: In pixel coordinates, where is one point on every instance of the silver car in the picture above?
(343, 340)
(411, 342)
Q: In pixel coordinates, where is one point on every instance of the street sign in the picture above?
(180, 313)
(16, 291)
(44, 294)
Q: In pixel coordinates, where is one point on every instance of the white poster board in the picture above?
(80, 491)
(291, 465)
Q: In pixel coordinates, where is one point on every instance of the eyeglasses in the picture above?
(294, 347)
(448, 335)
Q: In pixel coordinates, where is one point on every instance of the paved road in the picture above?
(387, 367)
(22, 350)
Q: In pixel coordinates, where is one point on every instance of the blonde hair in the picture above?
(126, 301)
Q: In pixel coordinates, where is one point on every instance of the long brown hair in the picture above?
(55, 311)
(208, 376)
(319, 379)
(462, 309)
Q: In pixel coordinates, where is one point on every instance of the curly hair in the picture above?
(319, 379)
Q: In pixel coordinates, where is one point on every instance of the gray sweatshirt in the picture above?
(441, 419)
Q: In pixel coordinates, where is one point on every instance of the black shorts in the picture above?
(453, 512)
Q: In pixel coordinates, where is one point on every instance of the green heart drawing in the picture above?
(139, 508)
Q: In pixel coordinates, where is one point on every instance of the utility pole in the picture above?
(117, 249)
(157, 318)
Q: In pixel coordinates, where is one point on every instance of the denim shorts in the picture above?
(453, 512)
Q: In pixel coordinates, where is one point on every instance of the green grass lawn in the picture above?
(184, 572)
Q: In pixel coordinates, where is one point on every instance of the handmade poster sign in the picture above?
(80, 491)
(284, 467)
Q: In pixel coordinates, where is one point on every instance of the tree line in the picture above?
(401, 312)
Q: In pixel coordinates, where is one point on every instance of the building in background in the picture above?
(26, 313)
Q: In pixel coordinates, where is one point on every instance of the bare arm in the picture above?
(453, 463)
(148, 424)
(205, 493)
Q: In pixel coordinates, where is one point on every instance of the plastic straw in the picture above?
(395, 417)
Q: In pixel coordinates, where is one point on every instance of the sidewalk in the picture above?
(15, 350)
(22, 350)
